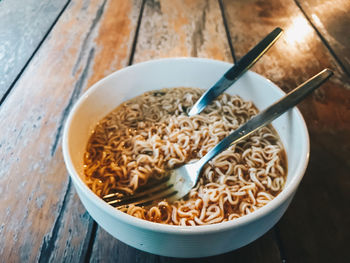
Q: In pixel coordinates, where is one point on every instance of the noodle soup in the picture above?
(146, 136)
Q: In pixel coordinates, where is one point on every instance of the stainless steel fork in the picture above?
(181, 180)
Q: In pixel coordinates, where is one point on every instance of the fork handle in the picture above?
(269, 114)
(236, 71)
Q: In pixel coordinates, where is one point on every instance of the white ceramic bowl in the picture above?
(176, 241)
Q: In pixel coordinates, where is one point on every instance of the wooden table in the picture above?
(52, 51)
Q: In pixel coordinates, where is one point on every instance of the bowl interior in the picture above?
(129, 82)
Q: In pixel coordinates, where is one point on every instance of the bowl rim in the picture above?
(175, 229)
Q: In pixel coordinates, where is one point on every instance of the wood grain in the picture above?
(40, 224)
(41, 217)
(297, 56)
(69, 241)
(331, 18)
(313, 228)
(22, 28)
(182, 28)
(112, 250)
(108, 249)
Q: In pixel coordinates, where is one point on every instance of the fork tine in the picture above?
(149, 187)
(116, 195)
(151, 190)
(145, 201)
(121, 193)
(152, 184)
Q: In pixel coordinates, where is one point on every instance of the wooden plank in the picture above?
(38, 215)
(108, 249)
(69, 240)
(332, 20)
(298, 55)
(112, 250)
(181, 28)
(22, 28)
(315, 227)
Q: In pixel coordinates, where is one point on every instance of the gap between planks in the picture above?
(228, 35)
(10, 88)
(48, 245)
(92, 237)
(323, 39)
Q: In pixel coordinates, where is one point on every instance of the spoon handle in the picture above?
(236, 71)
(269, 114)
